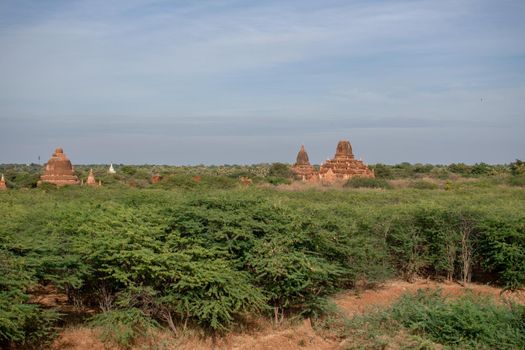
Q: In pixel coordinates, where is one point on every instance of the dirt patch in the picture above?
(80, 338)
(352, 302)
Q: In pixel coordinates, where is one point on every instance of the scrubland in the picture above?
(207, 256)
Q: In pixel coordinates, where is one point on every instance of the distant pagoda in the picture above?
(302, 168)
(59, 170)
(343, 166)
(91, 180)
(156, 178)
(3, 187)
(111, 170)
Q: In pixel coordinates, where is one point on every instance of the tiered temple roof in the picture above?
(343, 166)
(302, 168)
(59, 170)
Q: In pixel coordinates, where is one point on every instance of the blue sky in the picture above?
(226, 81)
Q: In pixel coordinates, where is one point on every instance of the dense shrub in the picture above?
(20, 321)
(205, 254)
(501, 249)
(366, 182)
(469, 322)
(429, 320)
(517, 167)
(517, 181)
(482, 169)
(382, 171)
(121, 327)
(280, 170)
(460, 168)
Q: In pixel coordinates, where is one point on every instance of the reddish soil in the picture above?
(352, 302)
(261, 335)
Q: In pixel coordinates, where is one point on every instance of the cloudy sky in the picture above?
(242, 81)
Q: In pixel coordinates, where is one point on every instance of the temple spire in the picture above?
(344, 150)
(302, 168)
(3, 186)
(91, 179)
(302, 157)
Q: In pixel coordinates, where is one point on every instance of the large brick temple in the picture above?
(344, 165)
(59, 170)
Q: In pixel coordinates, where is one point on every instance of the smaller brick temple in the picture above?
(302, 168)
(59, 170)
(156, 178)
(343, 166)
(91, 179)
(3, 187)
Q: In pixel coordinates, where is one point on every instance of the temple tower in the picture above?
(59, 170)
(302, 168)
(344, 165)
(3, 186)
(91, 179)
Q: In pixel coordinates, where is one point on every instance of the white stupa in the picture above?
(111, 170)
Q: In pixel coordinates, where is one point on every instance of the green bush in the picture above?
(213, 294)
(517, 181)
(517, 168)
(278, 180)
(501, 248)
(429, 320)
(358, 182)
(482, 169)
(20, 321)
(382, 171)
(469, 322)
(122, 327)
(280, 170)
(460, 168)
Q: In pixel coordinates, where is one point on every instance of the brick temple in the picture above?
(302, 168)
(91, 181)
(344, 165)
(59, 170)
(3, 187)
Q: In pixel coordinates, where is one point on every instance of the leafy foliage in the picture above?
(468, 322)
(357, 182)
(208, 253)
(121, 327)
(429, 320)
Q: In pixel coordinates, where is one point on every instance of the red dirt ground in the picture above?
(263, 336)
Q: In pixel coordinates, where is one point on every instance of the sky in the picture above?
(248, 81)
